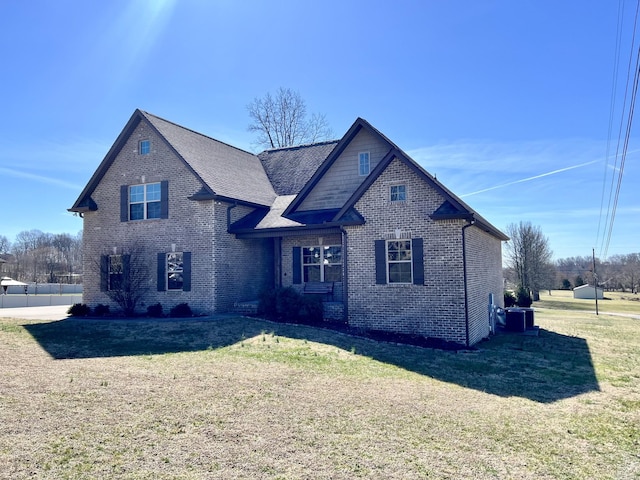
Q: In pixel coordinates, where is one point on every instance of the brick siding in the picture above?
(224, 270)
(436, 308)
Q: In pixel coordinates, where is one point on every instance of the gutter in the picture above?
(345, 279)
(464, 274)
(229, 208)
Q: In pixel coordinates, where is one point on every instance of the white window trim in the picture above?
(410, 261)
(110, 272)
(321, 264)
(140, 143)
(391, 193)
(145, 201)
(360, 173)
(168, 272)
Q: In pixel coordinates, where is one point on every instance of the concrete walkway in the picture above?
(55, 312)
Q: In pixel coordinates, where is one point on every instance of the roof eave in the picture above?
(278, 231)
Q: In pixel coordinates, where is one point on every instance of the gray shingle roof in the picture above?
(289, 169)
(226, 170)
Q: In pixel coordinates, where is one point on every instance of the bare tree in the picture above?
(25, 250)
(5, 244)
(281, 121)
(529, 255)
(125, 277)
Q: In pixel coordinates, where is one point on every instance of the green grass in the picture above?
(245, 398)
(613, 302)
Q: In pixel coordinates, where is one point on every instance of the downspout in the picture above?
(229, 208)
(464, 274)
(345, 279)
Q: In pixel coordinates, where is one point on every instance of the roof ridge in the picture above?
(302, 145)
(195, 132)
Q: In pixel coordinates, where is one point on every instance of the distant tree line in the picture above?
(618, 272)
(36, 256)
(529, 266)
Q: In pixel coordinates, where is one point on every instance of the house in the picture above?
(219, 225)
(588, 292)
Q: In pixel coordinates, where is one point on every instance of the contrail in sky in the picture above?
(529, 178)
(38, 178)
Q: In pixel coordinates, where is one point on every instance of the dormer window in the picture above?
(144, 147)
(363, 163)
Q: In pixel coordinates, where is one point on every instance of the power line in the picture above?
(621, 150)
(614, 89)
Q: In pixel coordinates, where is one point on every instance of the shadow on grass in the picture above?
(545, 368)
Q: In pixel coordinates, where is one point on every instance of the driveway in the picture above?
(56, 312)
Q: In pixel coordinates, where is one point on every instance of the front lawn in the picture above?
(246, 398)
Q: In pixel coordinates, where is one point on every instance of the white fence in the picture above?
(41, 295)
(13, 301)
(47, 288)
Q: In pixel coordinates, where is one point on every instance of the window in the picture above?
(322, 264)
(144, 147)
(116, 272)
(144, 201)
(140, 202)
(398, 193)
(399, 261)
(175, 270)
(363, 163)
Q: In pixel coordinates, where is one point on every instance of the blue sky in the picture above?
(507, 102)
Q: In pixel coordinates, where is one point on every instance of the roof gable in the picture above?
(214, 163)
(452, 207)
(359, 125)
(229, 172)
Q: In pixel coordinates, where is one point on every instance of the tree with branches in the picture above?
(125, 277)
(529, 255)
(5, 244)
(281, 120)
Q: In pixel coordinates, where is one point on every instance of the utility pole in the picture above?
(595, 278)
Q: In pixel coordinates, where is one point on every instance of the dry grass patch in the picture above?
(244, 398)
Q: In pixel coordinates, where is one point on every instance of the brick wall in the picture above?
(435, 308)
(195, 226)
(242, 268)
(484, 277)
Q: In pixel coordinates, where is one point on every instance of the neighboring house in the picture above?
(219, 225)
(588, 292)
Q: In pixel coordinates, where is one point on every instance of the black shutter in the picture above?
(104, 273)
(124, 203)
(186, 271)
(164, 199)
(126, 273)
(381, 262)
(297, 265)
(417, 256)
(162, 263)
